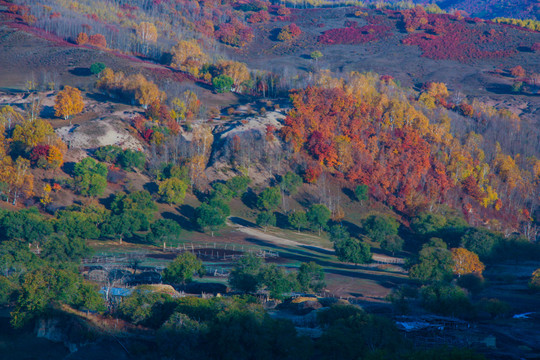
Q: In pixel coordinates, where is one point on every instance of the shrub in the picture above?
(454, 41)
(353, 35)
(259, 17)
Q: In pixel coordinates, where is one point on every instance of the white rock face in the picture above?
(99, 132)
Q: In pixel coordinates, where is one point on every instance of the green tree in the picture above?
(266, 219)
(298, 220)
(182, 269)
(59, 249)
(360, 336)
(222, 83)
(140, 306)
(123, 225)
(108, 153)
(90, 177)
(222, 192)
(27, 225)
(269, 199)
(353, 251)
(316, 55)
(139, 202)
(392, 244)
(428, 224)
(277, 280)
(76, 224)
(182, 335)
(290, 182)
(16, 260)
(311, 277)
(434, 263)
(8, 289)
(173, 191)
(379, 227)
(318, 216)
(361, 192)
(164, 230)
(48, 285)
(481, 241)
(446, 299)
(130, 159)
(238, 185)
(244, 275)
(210, 217)
(338, 232)
(97, 67)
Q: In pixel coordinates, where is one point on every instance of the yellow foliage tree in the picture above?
(21, 181)
(55, 158)
(178, 110)
(237, 71)
(68, 102)
(46, 198)
(33, 132)
(466, 262)
(82, 38)
(147, 32)
(144, 91)
(201, 146)
(189, 57)
(9, 117)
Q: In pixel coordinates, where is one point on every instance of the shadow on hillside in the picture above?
(68, 167)
(499, 89)
(47, 112)
(80, 71)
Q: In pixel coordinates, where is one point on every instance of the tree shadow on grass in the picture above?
(250, 199)
(350, 194)
(385, 279)
(151, 187)
(184, 221)
(352, 228)
(282, 221)
(243, 222)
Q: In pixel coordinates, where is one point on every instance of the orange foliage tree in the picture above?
(82, 38)
(518, 72)
(68, 102)
(97, 40)
(466, 262)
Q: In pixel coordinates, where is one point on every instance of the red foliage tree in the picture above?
(97, 40)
